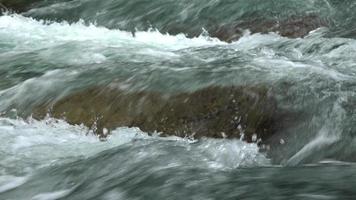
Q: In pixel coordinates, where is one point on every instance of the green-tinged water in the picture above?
(52, 49)
(52, 160)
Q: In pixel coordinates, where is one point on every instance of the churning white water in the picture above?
(312, 80)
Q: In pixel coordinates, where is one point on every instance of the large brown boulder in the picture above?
(211, 112)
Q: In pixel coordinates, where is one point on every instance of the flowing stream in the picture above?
(51, 49)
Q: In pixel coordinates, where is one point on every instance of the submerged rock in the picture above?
(292, 27)
(217, 112)
(17, 5)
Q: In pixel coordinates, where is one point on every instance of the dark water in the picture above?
(50, 49)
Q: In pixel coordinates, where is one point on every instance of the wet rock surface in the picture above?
(292, 27)
(17, 5)
(218, 112)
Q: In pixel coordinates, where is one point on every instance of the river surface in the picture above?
(50, 49)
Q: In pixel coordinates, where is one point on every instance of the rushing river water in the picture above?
(302, 53)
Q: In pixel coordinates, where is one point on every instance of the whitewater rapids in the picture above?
(50, 51)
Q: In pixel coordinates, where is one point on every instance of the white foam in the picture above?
(280, 56)
(51, 195)
(27, 33)
(11, 182)
(32, 144)
(231, 153)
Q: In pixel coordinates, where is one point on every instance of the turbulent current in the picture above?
(177, 99)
